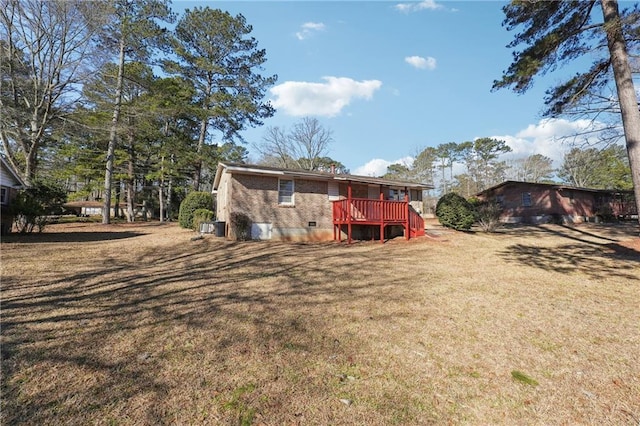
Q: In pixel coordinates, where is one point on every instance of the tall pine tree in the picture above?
(556, 32)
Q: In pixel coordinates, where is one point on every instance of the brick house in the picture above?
(530, 202)
(10, 184)
(299, 205)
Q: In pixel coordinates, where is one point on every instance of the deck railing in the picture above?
(416, 223)
(363, 211)
(367, 210)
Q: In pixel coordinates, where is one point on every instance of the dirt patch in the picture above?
(138, 324)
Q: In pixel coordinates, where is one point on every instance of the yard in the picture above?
(138, 324)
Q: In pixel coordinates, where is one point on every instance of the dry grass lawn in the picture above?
(139, 325)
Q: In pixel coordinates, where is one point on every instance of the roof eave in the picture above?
(311, 175)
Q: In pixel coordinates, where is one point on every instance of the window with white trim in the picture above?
(4, 196)
(285, 191)
(526, 199)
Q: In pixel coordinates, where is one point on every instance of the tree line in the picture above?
(106, 99)
(124, 100)
(468, 168)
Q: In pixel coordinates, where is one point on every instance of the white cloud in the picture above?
(415, 7)
(419, 62)
(300, 98)
(551, 137)
(309, 28)
(378, 166)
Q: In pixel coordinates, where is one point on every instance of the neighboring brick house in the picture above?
(10, 184)
(303, 205)
(529, 202)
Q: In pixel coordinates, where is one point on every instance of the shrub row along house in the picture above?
(527, 202)
(261, 202)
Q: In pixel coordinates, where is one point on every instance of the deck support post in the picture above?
(407, 228)
(372, 213)
(381, 216)
(349, 204)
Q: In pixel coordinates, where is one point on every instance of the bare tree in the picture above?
(578, 167)
(275, 148)
(534, 168)
(597, 168)
(309, 142)
(304, 147)
(47, 50)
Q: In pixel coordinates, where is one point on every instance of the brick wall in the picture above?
(310, 216)
(546, 203)
(257, 197)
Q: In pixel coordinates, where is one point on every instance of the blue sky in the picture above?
(391, 78)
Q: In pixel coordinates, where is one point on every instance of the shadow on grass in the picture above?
(595, 254)
(207, 290)
(68, 237)
(601, 232)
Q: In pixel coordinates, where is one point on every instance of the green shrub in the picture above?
(453, 211)
(33, 206)
(200, 216)
(192, 202)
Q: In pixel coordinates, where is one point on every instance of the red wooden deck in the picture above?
(361, 211)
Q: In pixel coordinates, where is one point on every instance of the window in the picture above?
(526, 199)
(396, 194)
(4, 197)
(285, 191)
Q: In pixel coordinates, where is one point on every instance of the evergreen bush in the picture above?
(33, 206)
(201, 216)
(454, 211)
(192, 202)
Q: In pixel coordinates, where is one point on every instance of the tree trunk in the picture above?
(626, 91)
(131, 177)
(170, 189)
(116, 204)
(198, 171)
(30, 165)
(30, 153)
(111, 148)
(161, 190)
(131, 195)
